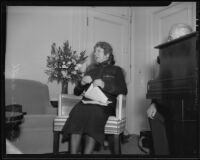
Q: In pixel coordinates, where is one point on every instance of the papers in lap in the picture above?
(96, 96)
(95, 102)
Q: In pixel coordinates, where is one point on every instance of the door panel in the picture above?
(114, 30)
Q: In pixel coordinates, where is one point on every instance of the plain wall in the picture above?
(30, 34)
(141, 72)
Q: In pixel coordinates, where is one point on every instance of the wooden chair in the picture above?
(115, 124)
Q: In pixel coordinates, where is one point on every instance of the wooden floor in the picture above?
(128, 147)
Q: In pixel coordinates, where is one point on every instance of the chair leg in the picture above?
(56, 138)
(114, 144)
(117, 144)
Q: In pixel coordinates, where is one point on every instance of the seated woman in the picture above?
(89, 120)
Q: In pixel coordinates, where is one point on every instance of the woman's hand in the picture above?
(151, 111)
(86, 80)
(99, 82)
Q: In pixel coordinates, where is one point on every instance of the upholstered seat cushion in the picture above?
(113, 125)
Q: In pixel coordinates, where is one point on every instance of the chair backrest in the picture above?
(68, 101)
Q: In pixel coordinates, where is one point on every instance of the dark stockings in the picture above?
(75, 143)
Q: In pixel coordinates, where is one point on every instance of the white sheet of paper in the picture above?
(95, 102)
(95, 94)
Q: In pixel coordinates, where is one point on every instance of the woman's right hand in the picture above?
(86, 80)
(151, 111)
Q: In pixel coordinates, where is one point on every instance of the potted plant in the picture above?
(64, 64)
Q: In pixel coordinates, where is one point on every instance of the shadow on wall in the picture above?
(142, 102)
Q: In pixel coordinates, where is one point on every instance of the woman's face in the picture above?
(99, 55)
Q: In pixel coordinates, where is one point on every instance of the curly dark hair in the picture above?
(107, 50)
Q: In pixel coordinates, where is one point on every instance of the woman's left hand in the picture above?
(98, 82)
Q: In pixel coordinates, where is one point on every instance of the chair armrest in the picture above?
(66, 102)
(121, 106)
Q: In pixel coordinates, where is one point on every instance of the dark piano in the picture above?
(176, 92)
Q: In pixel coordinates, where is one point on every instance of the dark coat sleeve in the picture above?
(78, 90)
(117, 85)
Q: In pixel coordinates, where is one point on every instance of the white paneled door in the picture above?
(114, 30)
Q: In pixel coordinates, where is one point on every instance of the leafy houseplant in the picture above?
(64, 65)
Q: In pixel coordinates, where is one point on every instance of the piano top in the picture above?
(176, 40)
(177, 70)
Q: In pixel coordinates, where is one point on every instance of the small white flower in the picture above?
(78, 66)
(61, 57)
(64, 66)
(74, 72)
(73, 61)
(68, 63)
(64, 73)
(68, 76)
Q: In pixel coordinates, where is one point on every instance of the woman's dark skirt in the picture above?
(89, 119)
